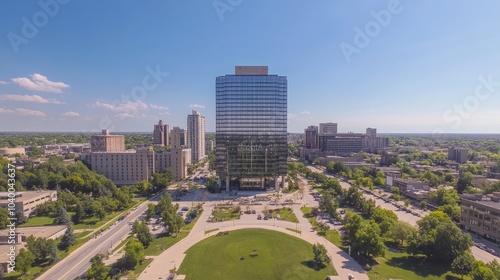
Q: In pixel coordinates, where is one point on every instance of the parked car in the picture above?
(185, 208)
(259, 217)
(254, 212)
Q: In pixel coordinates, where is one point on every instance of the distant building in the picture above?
(178, 138)
(387, 158)
(27, 201)
(406, 185)
(311, 137)
(328, 128)
(196, 136)
(209, 145)
(12, 151)
(160, 134)
(107, 143)
(459, 155)
(371, 132)
(341, 143)
(481, 214)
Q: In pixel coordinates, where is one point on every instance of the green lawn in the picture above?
(398, 265)
(94, 222)
(286, 214)
(225, 213)
(280, 256)
(38, 222)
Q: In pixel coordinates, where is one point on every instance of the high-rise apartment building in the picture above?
(196, 136)
(107, 143)
(459, 155)
(311, 140)
(160, 134)
(328, 128)
(251, 128)
(178, 138)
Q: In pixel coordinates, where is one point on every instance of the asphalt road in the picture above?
(78, 262)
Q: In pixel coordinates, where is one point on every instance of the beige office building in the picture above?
(481, 214)
(178, 138)
(133, 166)
(107, 143)
(196, 136)
(27, 201)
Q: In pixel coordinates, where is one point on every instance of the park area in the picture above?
(252, 254)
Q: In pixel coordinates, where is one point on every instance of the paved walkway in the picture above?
(173, 256)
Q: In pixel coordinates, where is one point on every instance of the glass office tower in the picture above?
(251, 128)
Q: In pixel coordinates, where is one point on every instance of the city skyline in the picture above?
(377, 65)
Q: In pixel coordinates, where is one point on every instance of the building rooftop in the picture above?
(44, 232)
(25, 195)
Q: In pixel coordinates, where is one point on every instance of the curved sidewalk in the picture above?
(173, 256)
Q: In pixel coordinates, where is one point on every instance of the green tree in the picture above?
(4, 216)
(134, 254)
(495, 267)
(463, 264)
(79, 213)
(402, 231)
(142, 233)
(68, 239)
(151, 211)
(385, 218)
(43, 249)
(368, 240)
(320, 256)
(62, 217)
(24, 260)
(464, 181)
(98, 270)
(482, 272)
(352, 223)
(98, 210)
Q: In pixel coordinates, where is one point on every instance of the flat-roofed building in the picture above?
(107, 143)
(328, 128)
(481, 214)
(196, 136)
(460, 155)
(311, 140)
(27, 201)
(12, 151)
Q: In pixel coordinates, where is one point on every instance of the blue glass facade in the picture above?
(251, 127)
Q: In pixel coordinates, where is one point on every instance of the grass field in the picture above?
(286, 214)
(280, 256)
(38, 222)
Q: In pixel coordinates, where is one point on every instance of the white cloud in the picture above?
(124, 115)
(3, 83)
(23, 112)
(153, 106)
(25, 98)
(193, 106)
(71, 114)
(127, 108)
(305, 113)
(40, 83)
(5, 111)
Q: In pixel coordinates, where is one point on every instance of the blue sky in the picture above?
(418, 66)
